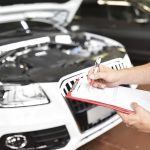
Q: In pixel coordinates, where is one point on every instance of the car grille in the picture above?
(48, 139)
(80, 112)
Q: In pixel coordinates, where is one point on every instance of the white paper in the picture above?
(118, 96)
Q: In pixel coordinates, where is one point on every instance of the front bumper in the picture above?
(44, 118)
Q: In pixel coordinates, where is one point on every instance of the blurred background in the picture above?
(119, 20)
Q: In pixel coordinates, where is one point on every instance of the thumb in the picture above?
(135, 107)
(99, 75)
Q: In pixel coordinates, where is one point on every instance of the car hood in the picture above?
(56, 12)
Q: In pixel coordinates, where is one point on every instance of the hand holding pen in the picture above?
(101, 76)
(96, 68)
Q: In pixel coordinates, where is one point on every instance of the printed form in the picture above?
(118, 98)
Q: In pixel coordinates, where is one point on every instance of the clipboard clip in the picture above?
(74, 85)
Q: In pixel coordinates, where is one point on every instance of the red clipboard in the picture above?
(140, 96)
(70, 97)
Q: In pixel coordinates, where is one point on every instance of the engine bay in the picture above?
(47, 62)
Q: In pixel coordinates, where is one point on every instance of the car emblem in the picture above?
(16, 141)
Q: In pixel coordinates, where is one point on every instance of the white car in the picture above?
(37, 53)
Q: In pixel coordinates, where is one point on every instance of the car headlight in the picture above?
(18, 95)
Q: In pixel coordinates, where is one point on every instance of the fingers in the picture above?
(104, 73)
(106, 77)
(128, 119)
(123, 116)
(98, 75)
(99, 84)
(89, 73)
(94, 76)
(91, 77)
(137, 108)
(132, 118)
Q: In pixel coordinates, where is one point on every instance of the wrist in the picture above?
(123, 76)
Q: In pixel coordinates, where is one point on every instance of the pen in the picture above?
(97, 67)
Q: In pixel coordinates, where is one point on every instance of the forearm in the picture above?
(135, 75)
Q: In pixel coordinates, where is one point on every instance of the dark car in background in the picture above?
(118, 20)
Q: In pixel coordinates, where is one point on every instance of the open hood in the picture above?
(60, 13)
